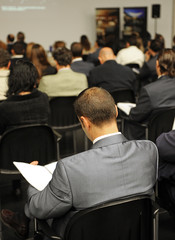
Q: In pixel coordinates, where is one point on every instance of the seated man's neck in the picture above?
(59, 67)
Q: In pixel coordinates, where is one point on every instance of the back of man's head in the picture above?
(20, 36)
(10, 37)
(106, 54)
(4, 58)
(156, 45)
(76, 49)
(63, 56)
(18, 48)
(97, 105)
(132, 40)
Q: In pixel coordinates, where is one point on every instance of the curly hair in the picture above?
(63, 56)
(23, 77)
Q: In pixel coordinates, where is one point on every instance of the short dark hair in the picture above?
(96, 104)
(156, 45)
(76, 49)
(18, 47)
(23, 77)
(4, 58)
(166, 59)
(63, 56)
(132, 40)
(10, 37)
(20, 36)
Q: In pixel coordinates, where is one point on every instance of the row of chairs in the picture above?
(134, 217)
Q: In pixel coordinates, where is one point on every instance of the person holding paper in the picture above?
(159, 94)
(113, 168)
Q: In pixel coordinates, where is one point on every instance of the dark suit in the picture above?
(113, 168)
(82, 67)
(159, 94)
(166, 185)
(147, 73)
(111, 76)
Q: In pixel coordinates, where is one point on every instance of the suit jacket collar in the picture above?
(109, 141)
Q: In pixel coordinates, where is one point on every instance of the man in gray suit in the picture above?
(113, 168)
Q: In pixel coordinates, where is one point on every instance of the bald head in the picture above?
(106, 54)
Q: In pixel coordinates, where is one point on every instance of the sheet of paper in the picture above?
(125, 106)
(38, 176)
(51, 167)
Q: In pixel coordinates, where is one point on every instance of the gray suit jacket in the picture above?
(113, 168)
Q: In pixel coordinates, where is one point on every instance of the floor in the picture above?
(8, 200)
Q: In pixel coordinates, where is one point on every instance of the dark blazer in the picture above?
(166, 184)
(27, 109)
(113, 168)
(158, 94)
(147, 73)
(166, 147)
(82, 67)
(112, 76)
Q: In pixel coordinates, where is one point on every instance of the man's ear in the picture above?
(116, 111)
(100, 60)
(84, 121)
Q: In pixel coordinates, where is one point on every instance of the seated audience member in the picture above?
(20, 37)
(18, 52)
(113, 168)
(4, 73)
(110, 75)
(131, 54)
(10, 41)
(39, 58)
(93, 57)
(59, 44)
(147, 73)
(139, 41)
(66, 82)
(78, 65)
(29, 50)
(3, 45)
(160, 38)
(173, 45)
(24, 104)
(86, 45)
(159, 94)
(166, 184)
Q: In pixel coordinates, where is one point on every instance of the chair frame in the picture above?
(42, 228)
(71, 127)
(148, 126)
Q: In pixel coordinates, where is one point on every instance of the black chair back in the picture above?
(161, 120)
(123, 95)
(62, 112)
(128, 219)
(26, 144)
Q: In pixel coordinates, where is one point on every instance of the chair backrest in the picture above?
(62, 112)
(26, 144)
(123, 95)
(161, 120)
(120, 220)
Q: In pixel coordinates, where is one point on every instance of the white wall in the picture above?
(69, 19)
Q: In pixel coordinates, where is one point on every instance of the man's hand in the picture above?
(34, 163)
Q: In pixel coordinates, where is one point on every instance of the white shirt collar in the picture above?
(77, 59)
(104, 136)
